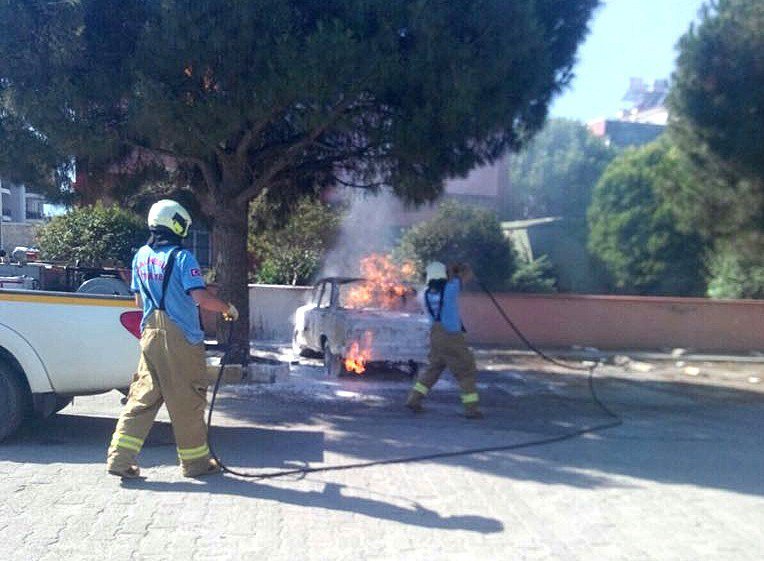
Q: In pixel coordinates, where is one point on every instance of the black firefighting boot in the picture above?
(128, 472)
(208, 466)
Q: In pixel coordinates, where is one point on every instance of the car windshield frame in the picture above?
(403, 303)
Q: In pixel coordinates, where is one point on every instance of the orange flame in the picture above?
(385, 288)
(359, 355)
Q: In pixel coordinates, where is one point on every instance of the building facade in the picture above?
(642, 121)
(22, 212)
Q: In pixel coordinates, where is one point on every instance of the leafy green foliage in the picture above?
(633, 231)
(95, 236)
(736, 267)
(717, 98)
(461, 233)
(555, 173)
(291, 252)
(535, 276)
(717, 104)
(245, 94)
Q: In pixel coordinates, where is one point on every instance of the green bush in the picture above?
(291, 252)
(736, 268)
(463, 233)
(93, 235)
(535, 276)
(633, 229)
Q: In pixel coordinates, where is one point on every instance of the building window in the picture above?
(200, 246)
(34, 209)
(7, 215)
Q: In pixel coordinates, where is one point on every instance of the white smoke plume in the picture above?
(372, 224)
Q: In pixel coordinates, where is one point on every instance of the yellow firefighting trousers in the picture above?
(450, 350)
(170, 371)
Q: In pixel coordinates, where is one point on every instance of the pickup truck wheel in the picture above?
(11, 401)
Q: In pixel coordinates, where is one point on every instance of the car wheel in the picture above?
(12, 394)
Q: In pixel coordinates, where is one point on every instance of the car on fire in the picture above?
(356, 323)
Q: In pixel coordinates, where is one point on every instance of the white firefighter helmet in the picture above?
(171, 215)
(435, 270)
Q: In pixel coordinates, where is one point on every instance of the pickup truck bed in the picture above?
(57, 345)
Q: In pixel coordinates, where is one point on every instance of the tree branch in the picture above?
(251, 133)
(374, 185)
(291, 153)
(204, 166)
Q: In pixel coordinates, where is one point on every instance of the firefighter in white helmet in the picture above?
(448, 347)
(168, 285)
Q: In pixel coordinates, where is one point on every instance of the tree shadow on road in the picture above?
(673, 432)
(71, 438)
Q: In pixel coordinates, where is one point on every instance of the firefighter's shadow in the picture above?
(72, 438)
(329, 498)
(83, 439)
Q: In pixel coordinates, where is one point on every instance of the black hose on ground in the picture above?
(614, 422)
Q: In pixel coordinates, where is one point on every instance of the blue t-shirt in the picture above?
(449, 313)
(186, 276)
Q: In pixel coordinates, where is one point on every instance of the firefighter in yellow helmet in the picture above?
(448, 347)
(168, 285)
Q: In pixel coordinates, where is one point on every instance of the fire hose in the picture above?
(615, 419)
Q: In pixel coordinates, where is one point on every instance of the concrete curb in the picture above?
(258, 371)
(596, 354)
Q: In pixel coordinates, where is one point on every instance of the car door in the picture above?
(322, 312)
(311, 337)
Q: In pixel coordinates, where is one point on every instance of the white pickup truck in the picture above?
(54, 346)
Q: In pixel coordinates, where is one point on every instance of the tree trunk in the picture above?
(229, 239)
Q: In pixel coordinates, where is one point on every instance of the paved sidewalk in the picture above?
(681, 479)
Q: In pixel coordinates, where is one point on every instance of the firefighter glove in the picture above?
(231, 314)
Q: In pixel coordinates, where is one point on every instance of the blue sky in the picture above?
(627, 38)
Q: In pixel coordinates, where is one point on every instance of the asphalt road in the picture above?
(680, 479)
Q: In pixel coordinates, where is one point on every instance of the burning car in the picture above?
(356, 322)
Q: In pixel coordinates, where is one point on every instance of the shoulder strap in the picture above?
(167, 273)
(435, 315)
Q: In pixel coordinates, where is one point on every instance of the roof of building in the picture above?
(528, 223)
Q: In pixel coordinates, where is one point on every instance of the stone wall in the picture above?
(617, 322)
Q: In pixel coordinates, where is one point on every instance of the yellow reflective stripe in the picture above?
(127, 438)
(127, 441)
(193, 453)
(421, 388)
(469, 398)
(84, 300)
